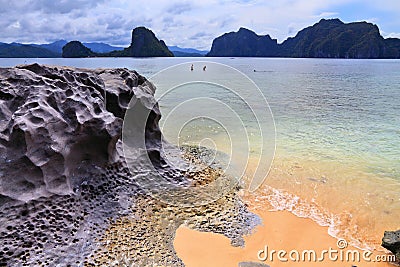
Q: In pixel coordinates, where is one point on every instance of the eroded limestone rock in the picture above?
(58, 123)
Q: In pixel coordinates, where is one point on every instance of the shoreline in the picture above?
(295, 220)
(280, 230)
(352, 203)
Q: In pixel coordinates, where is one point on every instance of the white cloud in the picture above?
(325, 15)
(371, 20)
(391, 35)
(15, 26)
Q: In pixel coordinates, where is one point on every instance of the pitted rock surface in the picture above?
(58, 123)
(67, 197)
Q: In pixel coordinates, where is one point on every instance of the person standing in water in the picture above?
(191, 68)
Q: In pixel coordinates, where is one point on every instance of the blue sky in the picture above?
(183, 23)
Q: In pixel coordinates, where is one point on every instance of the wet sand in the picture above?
(281, 230)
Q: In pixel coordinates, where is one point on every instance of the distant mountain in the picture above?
(144, 44)
(184, 54)
(244, 43)
(75, 49)
(16, 44)
(22, 51)
(192, 51)
(55, 47)
(94, 46)
(102, 47)
(325, 39)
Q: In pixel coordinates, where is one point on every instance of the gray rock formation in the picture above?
(67, 197)
(391, 241)
(244, 43)
(56, 124)
(62, 174)
(76, 49)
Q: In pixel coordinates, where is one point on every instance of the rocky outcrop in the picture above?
(391, 241)
(76, 49)
(244, 43)
(326, 39)
(335, 39)
(63, 179)
(57, 124)
(67, 196)
(392, 48)
(144, 44)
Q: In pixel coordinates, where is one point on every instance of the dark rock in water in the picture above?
(391, 241)
(75, 49)
(57, 123)
(335, 39)
(392, 48)
(144, 44)
(252, 264)
(243, 43)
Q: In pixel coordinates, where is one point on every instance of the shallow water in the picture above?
(337, 134)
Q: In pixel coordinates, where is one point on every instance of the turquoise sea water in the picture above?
(336, 120)
(323, 108)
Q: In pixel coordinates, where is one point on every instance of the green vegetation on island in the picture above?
(77, 49)
(244, 43)
(325, 39)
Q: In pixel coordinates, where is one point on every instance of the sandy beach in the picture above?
(281, 230)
